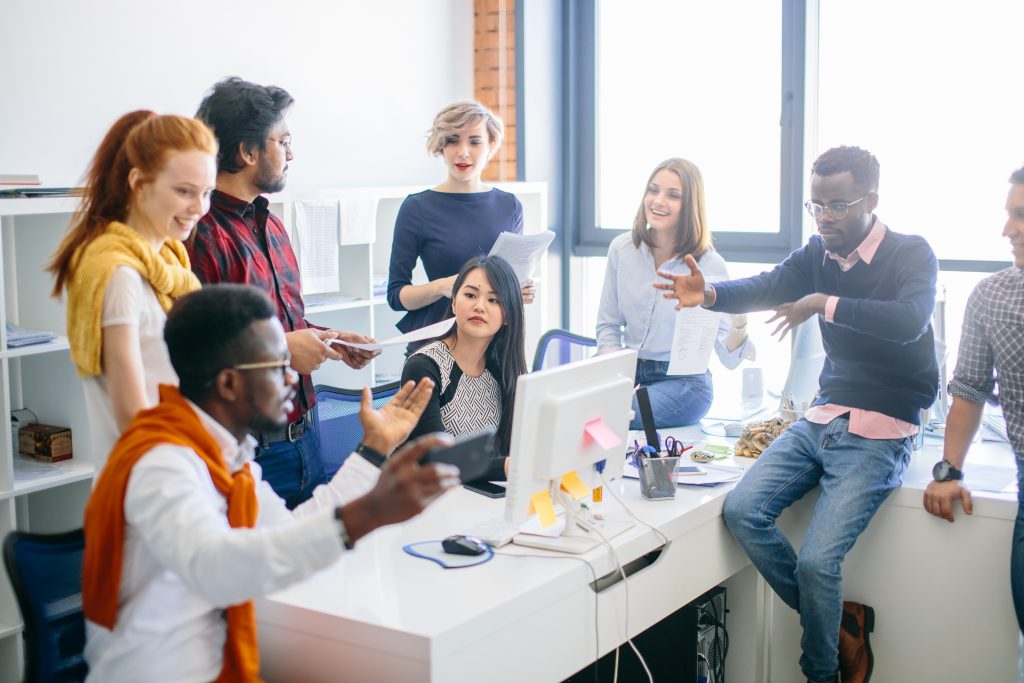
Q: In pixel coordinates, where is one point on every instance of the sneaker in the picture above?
(855, 658)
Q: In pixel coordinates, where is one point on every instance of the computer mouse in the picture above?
(463, 545)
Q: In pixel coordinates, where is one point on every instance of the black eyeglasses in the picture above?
(837, 209)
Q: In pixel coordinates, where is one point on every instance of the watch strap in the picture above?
(374, 457)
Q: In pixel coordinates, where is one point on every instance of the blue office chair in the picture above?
(46, 572)
(564, 346)
(336, 416)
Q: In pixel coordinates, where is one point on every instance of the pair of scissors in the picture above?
(674, 447)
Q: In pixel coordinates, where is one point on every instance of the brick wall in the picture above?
(494, 75)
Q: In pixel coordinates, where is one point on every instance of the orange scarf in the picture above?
(172, 422)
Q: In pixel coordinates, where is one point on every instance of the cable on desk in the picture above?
(609, 489)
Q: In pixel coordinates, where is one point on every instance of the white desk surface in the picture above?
(380, 614)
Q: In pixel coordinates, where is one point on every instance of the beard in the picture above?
(261, 421)
(266, 181)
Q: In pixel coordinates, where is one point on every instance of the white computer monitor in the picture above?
(549, 435)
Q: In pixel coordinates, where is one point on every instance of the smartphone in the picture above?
(471, 453)
(486, 488)
(683, 470)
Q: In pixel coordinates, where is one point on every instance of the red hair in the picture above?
(140, 139)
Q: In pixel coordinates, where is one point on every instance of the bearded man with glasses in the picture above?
(873, 292)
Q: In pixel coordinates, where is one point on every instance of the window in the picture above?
(932, 90)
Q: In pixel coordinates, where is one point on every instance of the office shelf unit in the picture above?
(46, 498)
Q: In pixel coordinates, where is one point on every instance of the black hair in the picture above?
(242, 113)
(506, 355)
(207, 331)
(1017, 177)
(861, 164)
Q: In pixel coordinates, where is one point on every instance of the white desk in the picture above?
(382, 615)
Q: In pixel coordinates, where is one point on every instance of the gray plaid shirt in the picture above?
(992, 350)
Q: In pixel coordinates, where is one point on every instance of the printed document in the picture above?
(428, 332)
(693, 341)
(523, 252)
(316, 231)
(358, 219)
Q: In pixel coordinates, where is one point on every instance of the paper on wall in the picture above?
(522, 251)
(358, 219)
(693, 341)
(316, 231)
(428, 332)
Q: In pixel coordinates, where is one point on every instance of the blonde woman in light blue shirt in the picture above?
(669, 224)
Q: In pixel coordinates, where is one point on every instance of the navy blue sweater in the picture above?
(444, 230)
(880, 352)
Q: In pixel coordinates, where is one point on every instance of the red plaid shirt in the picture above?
(243, 243)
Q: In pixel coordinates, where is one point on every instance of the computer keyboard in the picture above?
(495, 531)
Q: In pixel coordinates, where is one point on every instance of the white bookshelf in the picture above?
(49, 498)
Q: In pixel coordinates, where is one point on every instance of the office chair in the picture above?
(568, 347)
(336, 417)
(46, 572)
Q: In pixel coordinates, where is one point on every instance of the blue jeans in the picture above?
(293, 468)
(676, 400)
(1017, 551)
(855, 475)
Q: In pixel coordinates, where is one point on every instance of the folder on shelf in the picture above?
(19, 336)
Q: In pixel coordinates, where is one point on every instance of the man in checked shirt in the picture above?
(240, 241)
(991, 352)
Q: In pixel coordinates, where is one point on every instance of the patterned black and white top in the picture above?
(992, 350)
(460, 404)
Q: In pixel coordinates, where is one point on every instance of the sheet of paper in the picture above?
(523, 252)
(693, 341)
(574, 486)
(713, 474)
(316, 231)
(428, 332)
(540, 503)
(358, 220)
(601, 433)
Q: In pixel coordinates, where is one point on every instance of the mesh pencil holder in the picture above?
(658, 477)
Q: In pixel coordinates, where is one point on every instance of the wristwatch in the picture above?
(346, 540)
(943, 471)
(373, 456)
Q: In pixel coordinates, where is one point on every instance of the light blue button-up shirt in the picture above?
(635, 315)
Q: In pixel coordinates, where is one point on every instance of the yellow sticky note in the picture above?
(541, 503)
(572, 484)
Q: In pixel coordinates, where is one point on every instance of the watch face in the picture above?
(941, 471)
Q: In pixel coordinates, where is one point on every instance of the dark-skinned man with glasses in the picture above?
(240, 241)
(181, 530)
(872, 291)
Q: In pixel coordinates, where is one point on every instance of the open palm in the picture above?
(387, 427)
(688, 289)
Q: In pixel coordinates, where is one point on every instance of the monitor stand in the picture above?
(569, 534)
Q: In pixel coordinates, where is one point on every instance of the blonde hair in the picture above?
(692, 233)
(459, 116)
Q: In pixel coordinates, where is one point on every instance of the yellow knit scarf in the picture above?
(168, 272)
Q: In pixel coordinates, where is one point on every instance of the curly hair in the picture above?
(861, 164)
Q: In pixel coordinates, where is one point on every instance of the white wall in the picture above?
(368, 77)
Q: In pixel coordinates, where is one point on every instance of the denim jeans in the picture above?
(676, 400)
(1017, 551)
(293, 468)
(855, 475)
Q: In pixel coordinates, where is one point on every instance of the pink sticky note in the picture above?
(601, 433)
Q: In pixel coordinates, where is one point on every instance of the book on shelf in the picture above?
(19, 192)
(19, 179)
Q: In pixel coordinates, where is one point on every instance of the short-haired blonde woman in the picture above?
(461, 218)
(669, 224)
(122, 263)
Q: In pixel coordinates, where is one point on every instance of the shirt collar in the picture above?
(865, 251)
(645, 249)
(236, 454)
(239, 207)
